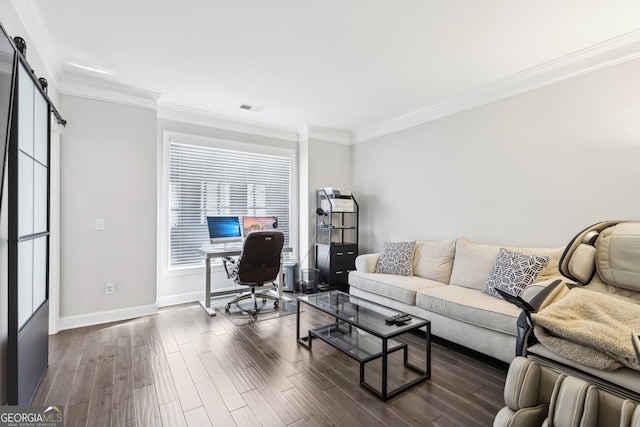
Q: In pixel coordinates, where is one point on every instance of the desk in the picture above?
(209, 254)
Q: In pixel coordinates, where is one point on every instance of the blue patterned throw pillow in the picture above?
(396, 258)
(513, 272)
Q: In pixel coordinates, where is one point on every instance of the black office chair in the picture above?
(258, 264)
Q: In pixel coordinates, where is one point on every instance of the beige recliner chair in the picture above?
(574, 403)
(603, 258)
(629, 414)
(539, 396)
(524, 395)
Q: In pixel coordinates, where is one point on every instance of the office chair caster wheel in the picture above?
(227, 308)
(276, 304)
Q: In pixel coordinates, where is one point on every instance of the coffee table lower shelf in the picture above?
(365, 347)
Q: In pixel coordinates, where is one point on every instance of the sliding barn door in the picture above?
(28, 173)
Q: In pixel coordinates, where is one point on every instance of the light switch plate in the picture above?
(99, 225)
(109, 287)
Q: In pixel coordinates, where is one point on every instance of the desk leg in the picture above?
(280, 279)
(280, 292)
(206, 304)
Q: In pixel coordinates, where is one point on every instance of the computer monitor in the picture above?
(224, 229)
(253, 223)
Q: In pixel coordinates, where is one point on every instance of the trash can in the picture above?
(290, 277)
(309, 282)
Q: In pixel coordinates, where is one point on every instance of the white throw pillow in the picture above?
(396, 258)
(473, 262)
(434, 259)
(513, 272)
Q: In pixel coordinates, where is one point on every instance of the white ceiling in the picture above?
(339, 64)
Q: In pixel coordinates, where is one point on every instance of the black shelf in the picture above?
(336, 239)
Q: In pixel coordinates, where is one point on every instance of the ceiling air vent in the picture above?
(250, 107)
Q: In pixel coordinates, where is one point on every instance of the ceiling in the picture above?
(337, 64)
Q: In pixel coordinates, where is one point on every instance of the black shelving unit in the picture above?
(336, 238)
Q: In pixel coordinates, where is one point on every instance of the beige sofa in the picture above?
(446, 288)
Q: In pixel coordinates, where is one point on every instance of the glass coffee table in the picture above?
(359, 330)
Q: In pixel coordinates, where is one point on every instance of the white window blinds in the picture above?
(207, 181)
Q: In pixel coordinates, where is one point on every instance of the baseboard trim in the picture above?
(82, 320)
(198, 295)
(179, 299)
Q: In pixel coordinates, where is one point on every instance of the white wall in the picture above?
(108, 171)
(533, 169)
(326, 164)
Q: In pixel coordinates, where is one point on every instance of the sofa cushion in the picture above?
(473, 262)
(396, 258)
(470, 306)
(513, 272)
(399, 288)
(434, 260)
(366, 262)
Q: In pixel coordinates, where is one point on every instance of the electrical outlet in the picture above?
(109, 287)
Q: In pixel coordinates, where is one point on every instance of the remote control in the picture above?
(403, 320)
(393, 319)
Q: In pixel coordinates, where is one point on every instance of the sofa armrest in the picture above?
(366, 263)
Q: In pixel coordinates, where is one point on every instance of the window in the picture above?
(206, 181)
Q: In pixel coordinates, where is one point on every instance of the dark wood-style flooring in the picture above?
(182, 367)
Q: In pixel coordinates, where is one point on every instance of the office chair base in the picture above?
(254, 298)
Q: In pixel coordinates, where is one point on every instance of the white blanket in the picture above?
(590, 328)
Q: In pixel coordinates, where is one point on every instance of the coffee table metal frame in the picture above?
(346, 334)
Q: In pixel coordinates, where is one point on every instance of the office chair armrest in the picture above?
(231, 272)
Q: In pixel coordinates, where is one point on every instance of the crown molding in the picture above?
(325, 134)
(101, 90)
(602, 55)
(220, 121)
